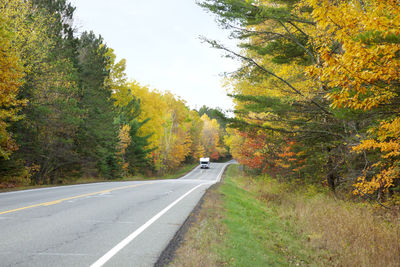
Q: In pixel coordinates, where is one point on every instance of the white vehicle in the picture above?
(205, 163)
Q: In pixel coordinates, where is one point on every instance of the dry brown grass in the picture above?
(198, 246)
(353, 234)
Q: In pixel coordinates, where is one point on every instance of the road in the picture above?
(110, 224)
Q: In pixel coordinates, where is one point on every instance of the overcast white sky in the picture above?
(160, 41)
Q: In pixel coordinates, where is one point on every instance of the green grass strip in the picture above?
(256, 235)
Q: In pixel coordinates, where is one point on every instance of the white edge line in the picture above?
(222, 171)
(106, 257)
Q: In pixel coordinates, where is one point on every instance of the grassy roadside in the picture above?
(260, 222)
(234, 228)
(86, 180)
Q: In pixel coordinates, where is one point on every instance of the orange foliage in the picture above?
(253, 150)
(288, 160)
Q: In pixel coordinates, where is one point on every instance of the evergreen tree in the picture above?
(98, 134)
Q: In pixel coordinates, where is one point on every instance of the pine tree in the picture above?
(98, 134)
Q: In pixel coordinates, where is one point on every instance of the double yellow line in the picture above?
(70, 198)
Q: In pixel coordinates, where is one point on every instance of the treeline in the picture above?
(317, 95)
(67, 109)
(166, 128)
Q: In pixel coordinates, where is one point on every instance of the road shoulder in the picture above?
(232, 227)
(170, 252)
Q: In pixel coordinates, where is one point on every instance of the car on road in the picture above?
(204, 163)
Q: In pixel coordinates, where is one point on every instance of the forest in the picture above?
(68, 109)
(317, 93)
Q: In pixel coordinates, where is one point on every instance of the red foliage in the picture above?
(272, 158)
(253, 152)
(215, 155)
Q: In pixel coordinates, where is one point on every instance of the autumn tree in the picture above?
(46, 87)
(10, 82)
(213, 113)
(195, 125)
(23, 47)
(359, 50)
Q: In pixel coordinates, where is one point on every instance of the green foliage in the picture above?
(231, 10)
(98, 134)
(136, 152)
(256, 103)
(377, 37)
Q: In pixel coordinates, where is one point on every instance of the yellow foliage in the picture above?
(388, 144)
(234, 142)
(24, 44)
(10, 81)
(29, 32)
(174, 130)
(361, 66)
(211, 138)
(381, 181)
(153, 107)
(117, 79)
(124, 142)
(363, 69)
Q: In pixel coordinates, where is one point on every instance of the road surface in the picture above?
(101, 224)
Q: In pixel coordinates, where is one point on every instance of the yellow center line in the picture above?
(74, 197)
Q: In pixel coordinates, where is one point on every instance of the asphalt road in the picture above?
(110, 224)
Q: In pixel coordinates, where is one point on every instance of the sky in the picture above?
(160, 41)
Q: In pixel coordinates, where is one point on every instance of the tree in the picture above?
(98, 134)
(47, 134)
(10, 82)
(359, 48)
(24, 44)
(195, 125)
(213, 113)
